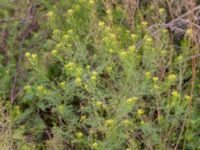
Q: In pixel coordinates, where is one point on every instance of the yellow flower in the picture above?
(133, 36)
(112, 36)
(147, 74)
(144, 24)
(189, 32)
(70, 12)
(69, 66)
(34, 56)
(142, 122)
(161, 11)
(69, 45)
(88, 67)
(140, 112)
(188, 98)
(86, 87)
(180, 58)
(126, 122)
(66, 37)
(56, 32)
(111, 51)
(77, 7)
(79, 71)
(40, 88)
(163, 52)
(109, 68)
(109, 122)
(50, 14)
(132, 48)
(156, 87)
(79, 135)
(78, 81)
(17, 109)
(54, 52)
(27, 55)
(70, 31)
(94, 76)
(175, 94)
(91, 2)
(123, 54)
(164, 31)
(171, 77)
(94, 145)
(131, 100)
(27, 88)
(99, 104)
(61, 108)
(109, 11)
(155, 79)
(94, 73)
(62, 84)
(101, 24)
(148, 39)
(83, 118)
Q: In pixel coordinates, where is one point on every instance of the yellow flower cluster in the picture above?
(109, 69)
(95, 145)
(83, 118)
(94, 76)
(180, 58)
(61, 108)
(79, 71)
(70, 66)
(70, 12)
(161, 11)
(144, 24)
(79, 135)
(175, 94)
(31, 57)
(62, 84)
(50, 14)
(126, 122)
(188, 98)
(91, 2)
(148, 75)
(189, 31)
(123, 54)
(156, 87)
(109, 122)
(132, 48)
(163, 53)
(131, 100)
(17, 110)
(27, 88)
(109, 14)
(101, 24)
(99, 103)
(41, 89)
(171, 77)
(78, 81)
(54, 52)
(140, 112)
(133, 37)
(148, 39)
(155, 79)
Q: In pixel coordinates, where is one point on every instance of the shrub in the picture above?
(87, 79)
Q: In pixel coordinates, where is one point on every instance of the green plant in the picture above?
(85, 78)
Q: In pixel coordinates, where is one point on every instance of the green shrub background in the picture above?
(95, 74)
